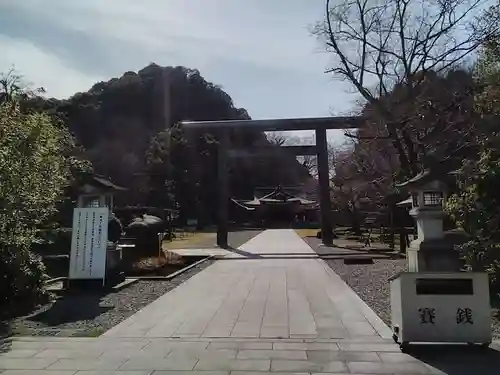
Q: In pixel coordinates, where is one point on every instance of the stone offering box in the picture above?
(449, 307)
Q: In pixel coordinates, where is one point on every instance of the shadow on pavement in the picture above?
(333, 256)
(458, 359)
(72, 308)
(321, 249)
(5, 333)
(242, 253)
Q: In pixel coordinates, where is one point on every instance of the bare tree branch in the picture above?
(391, 43)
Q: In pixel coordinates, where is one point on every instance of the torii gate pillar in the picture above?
(223, 196)
(324, 187)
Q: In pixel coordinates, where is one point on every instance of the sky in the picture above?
(260, 51)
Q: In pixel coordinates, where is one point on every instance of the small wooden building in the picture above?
(97, 191)
(279, 207)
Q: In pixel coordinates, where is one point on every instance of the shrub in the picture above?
(475, 210)
(33, 174)
(21, 279)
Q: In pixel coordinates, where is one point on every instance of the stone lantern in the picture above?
(434, 301)
(431, 250)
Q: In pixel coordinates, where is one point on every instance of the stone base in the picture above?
(420, 260)
(432, 256)
(436, 255)
(77, 285)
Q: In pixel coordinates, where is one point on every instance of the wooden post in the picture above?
(223, 182)
(324, 187)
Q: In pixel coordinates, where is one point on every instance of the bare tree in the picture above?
(308, 161)
(384, 44)
(13, 86)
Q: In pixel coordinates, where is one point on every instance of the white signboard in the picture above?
(88, 243)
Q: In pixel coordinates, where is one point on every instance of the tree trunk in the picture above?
(356, 225)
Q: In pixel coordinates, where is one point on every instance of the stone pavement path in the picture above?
(269, 307)
(270, 287)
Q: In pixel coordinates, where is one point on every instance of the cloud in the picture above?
(260, 51)
(40, 68)
(272, 36)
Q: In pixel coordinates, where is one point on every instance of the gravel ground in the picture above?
(369, 281)
(91, 314)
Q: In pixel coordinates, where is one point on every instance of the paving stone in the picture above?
(360, 347)
(299, 366)
(44, 339)
(39, 372)
(133, 353)
(387, 368)
(250, 365)
(396, 357)
(240, 345)
(178, 364)
(272, 354)
(305, 346)
(188, 373)
(21, 353)
(120, 344)
(112, 372)
(308, 366)
(274, 332)
(65, 353)
(335, 367)
(25, 364)
(268, 298)
(177, 345)
(320, 356)
(333, 333)
(215, 354)
(234, 365)
(29, 345)
(86, 364)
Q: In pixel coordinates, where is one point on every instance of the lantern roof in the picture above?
(437, 174)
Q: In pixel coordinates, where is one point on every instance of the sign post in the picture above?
(89, 244)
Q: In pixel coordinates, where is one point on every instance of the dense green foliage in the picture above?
(475, 209)
(33, 174)
(475, 206)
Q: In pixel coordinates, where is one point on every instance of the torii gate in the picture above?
(319, 125)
